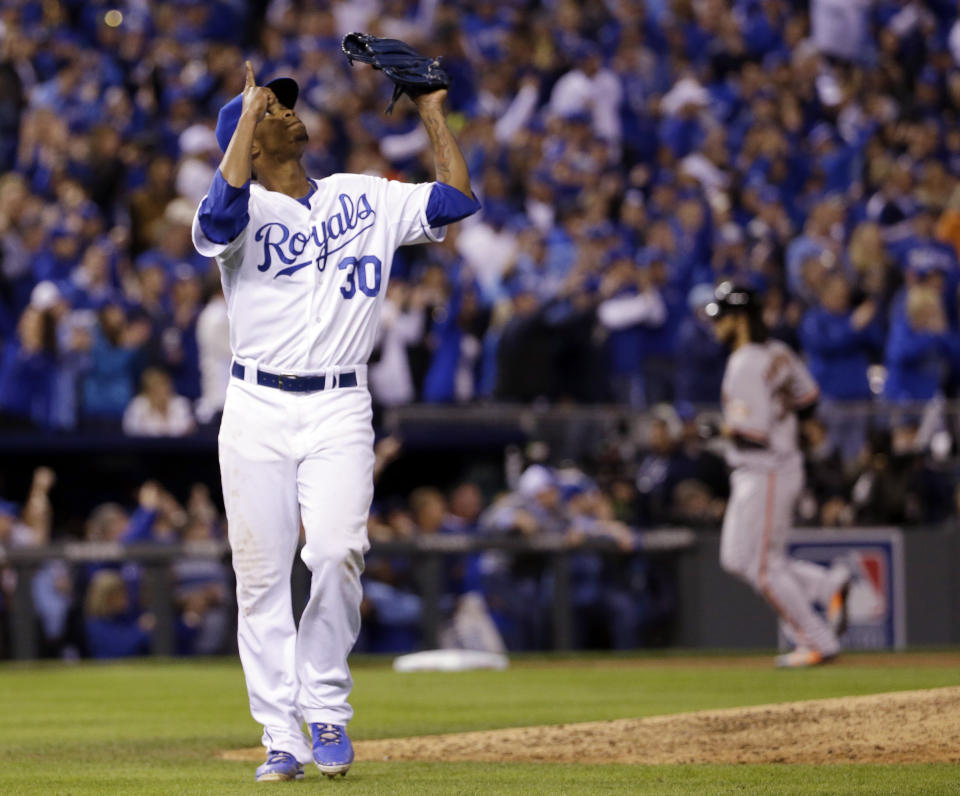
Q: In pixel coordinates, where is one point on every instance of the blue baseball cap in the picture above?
(286, 91)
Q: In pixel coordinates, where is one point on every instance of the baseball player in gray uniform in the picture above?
(765, 388)
(305, 265)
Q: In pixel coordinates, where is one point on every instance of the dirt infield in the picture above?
(873, 660)
(900, 727)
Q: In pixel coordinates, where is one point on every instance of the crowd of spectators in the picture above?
(674, 474)
(598, 509)
(102, 607)
(627, 156)
(98, 609)
(494, 600)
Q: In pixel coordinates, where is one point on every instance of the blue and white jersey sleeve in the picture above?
(220, 221)
(447, 205)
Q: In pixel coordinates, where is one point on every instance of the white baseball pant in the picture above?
(287, 457)
(753, 547)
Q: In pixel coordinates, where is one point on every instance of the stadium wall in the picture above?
(716, 610)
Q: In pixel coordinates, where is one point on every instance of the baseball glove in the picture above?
(410, 72)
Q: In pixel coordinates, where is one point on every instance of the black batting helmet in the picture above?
(729, 297)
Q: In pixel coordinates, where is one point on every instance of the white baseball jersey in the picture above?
(763, 385)
(304, 286)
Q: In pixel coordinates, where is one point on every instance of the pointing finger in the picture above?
(250, 81)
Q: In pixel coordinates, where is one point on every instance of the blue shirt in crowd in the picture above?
(109, 384)
(916, 362)
(26, 383)
(700, 361)
(838, 354)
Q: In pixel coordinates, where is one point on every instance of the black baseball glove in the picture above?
(410, 72)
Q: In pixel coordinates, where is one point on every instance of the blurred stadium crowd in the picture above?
(491, 600)
(619, 598)
(627, 154)
(97, 609)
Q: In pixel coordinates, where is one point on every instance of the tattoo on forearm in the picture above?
(442, 140)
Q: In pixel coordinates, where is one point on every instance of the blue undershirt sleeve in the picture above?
(446, 205)
(140, 526)
(223, 212)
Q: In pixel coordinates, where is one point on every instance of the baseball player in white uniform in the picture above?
(304, 265)
(765, 387)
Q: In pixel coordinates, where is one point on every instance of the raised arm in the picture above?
(223, 212)
(235, 166)
(451, 168)
(37, 511)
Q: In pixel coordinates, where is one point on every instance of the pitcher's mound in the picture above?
(902, 727)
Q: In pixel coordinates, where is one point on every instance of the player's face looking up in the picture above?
(279, 134)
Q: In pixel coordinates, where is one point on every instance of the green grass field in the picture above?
(154, 728)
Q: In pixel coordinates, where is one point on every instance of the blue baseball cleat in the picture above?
(280, 767)
(332, 750)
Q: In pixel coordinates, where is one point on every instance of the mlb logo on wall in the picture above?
(876, 604)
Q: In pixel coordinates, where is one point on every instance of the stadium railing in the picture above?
(427, 553)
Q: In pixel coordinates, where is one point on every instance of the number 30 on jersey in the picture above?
(362, 272)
